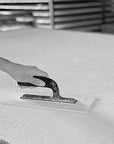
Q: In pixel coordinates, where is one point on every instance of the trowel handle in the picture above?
(49, 83)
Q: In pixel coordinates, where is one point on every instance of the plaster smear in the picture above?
(83, 65)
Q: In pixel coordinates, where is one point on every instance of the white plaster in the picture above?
(82, 64)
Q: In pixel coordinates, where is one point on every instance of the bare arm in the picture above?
(22, 73)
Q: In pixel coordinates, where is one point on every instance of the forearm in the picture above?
(5, 64)
(21, 72)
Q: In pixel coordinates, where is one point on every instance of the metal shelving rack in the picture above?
(83, 15)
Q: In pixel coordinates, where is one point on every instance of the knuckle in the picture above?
(46, 73)
(34, 68)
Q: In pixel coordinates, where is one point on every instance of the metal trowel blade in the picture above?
(47, 105)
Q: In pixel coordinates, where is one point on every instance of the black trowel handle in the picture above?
(49, 83)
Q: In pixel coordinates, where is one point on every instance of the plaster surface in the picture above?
(82, 64)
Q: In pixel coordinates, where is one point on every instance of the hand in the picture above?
(23, 73)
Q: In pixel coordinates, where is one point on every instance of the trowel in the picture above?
(56, 102)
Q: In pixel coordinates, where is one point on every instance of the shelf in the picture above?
(59, 14)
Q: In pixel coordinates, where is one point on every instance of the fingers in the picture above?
(42, 73)
(36, 81)
(30, 79)
(38, 72)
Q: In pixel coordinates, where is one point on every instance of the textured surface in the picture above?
(82, 64)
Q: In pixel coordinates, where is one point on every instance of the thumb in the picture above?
(41, 73)
(36, 82)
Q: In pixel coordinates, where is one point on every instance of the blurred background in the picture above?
(74, 15)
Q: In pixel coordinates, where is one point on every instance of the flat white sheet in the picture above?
(83, 66)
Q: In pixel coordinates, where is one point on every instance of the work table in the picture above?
(82, 64)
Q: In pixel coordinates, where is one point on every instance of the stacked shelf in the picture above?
(109, 11)
(27, 13)
(83, 15)
(75, 14)
(111, 3)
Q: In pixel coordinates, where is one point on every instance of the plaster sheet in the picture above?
(83, 66)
